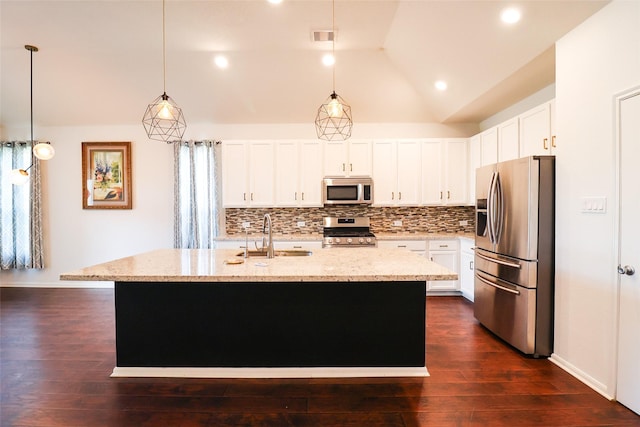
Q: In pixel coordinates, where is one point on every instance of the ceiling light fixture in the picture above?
(441, 85)
(333, 121)
(221, 61)
(163, 119)
(510, 15)
(42, 150)
(328, 60)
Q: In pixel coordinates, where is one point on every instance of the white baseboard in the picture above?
(270, 372)
(582, 376)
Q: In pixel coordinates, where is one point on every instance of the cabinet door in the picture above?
(466, 275)
(432, 173)
(310, 173)
(287, 173)
(359, 162)
(489, 146)
(474, 163)
(448, 259)
(408, 173)
(535, 131)
(455, 160)
(234, 174)
(508, 140)
(261, 172)
(335, 158)
(384, 173)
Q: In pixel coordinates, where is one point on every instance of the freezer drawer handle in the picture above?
(495, 285)
(499, 261)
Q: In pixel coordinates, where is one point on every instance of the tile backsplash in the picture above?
(423, 219)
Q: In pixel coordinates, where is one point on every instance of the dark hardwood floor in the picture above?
(57, 351)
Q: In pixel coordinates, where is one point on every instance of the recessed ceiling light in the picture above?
(510, 15)
(275, 1)
(440, 85)
(221, 61)
(328, 60)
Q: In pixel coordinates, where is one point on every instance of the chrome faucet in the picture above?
(266, 222)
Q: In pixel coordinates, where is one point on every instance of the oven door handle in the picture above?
(495, 285)
(499, 261)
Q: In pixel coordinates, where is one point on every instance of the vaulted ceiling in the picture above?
(100, 62)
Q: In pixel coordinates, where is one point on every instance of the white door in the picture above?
(628, 389)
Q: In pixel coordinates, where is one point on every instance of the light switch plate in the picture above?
(593, 205)
(246, 224)
(301, 224)
(397, 223)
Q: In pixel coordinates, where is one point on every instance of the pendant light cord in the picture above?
(164, 61)
(333, 41)
(31, 93)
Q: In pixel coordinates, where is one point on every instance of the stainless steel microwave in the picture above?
(347, 191)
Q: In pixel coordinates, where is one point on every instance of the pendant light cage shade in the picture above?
(164, 120)
(333, 121)
(44, 151)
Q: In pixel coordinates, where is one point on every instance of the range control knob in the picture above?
(349, 240)
(361, 240)
(368, 239)
(337, 240)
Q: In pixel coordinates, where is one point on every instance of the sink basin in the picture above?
(283, 252)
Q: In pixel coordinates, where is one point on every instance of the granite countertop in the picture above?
(379, 236)
(208, 265)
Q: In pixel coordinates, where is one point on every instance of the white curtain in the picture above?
(21, 240)
(197, 200)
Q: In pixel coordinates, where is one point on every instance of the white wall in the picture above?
(594, 62)
(76, 238)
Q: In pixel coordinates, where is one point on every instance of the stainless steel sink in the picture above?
(283, 252)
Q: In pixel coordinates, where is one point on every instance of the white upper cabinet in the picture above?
(248, 174)
(508, 138)
(298, 173)
(444, 172)
(396, 173)
(474, 163)
(536, 130)
(347, 158)
(489, 146)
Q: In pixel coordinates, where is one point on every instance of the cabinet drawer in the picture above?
(443, 245)
(412, 245)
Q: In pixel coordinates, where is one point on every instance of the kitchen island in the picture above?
(337, 312)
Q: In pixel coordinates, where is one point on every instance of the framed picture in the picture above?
(106, 175)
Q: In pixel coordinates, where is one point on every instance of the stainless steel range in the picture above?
(347, 232)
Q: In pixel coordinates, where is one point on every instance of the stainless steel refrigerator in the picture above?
(514, 257)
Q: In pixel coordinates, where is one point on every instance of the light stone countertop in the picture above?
(324, 265)
(379, 236)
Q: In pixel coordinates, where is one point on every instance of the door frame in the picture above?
(617, 101)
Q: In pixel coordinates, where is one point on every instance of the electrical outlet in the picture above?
(464, 222)
(246, 224)
(301, 224)
(397, 223)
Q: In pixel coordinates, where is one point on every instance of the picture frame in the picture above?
(106, 175)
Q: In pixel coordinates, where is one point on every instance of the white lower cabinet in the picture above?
(466, 268)
(445, 253)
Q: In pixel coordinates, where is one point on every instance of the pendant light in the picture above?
(333, 121)
(163, 119)
(42, 150)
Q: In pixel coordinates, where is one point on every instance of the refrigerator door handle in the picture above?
(499, 208)
(498, 261)
(491, 195)
(495, 285)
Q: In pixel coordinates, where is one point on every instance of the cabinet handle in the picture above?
(448, 194)
(302, 195)
(343, 167)
(470, 265)
(297, 247)
(244, 196)
(252, 197)
(431, 258)
(545, 143)
(392, 195)
(441, 195)
(553, 141)
(402, 246)
(444, 246)
(399, 195)
(350, 167)
(295, 195)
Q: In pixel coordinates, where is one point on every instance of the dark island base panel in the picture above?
(270, 324)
